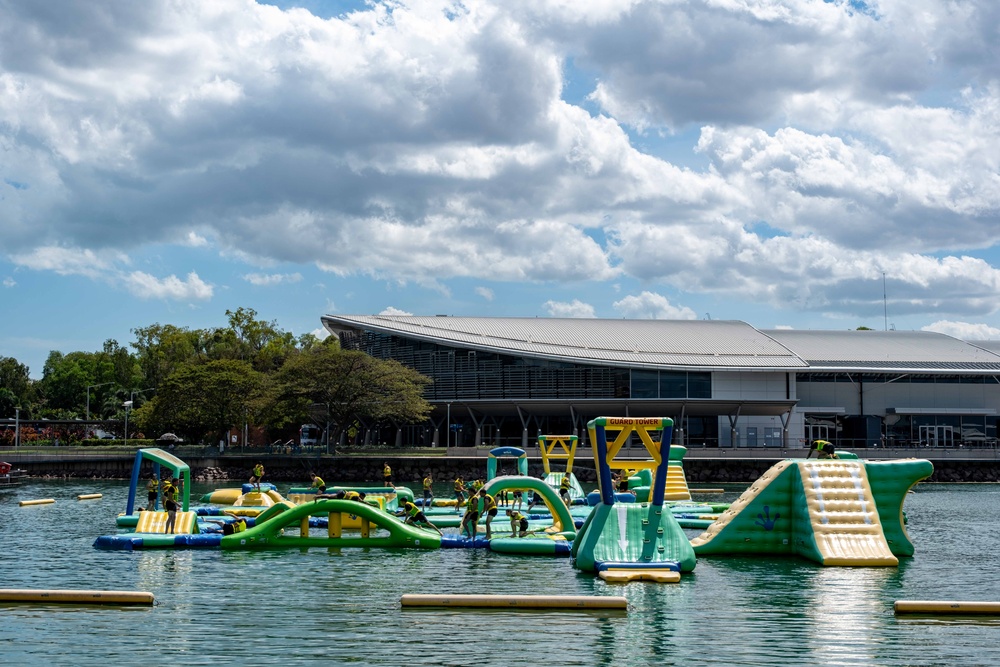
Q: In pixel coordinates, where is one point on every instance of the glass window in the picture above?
(673, 384)
(644, 384)
(699, 385)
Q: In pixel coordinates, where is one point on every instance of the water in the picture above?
(342, 607)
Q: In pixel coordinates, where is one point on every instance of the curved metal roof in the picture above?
(633, 343)
(897, 351)
(700, 344)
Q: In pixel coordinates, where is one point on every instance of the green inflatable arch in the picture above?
(563, 519)
(268, 534)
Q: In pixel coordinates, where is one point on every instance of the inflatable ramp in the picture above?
(186, 523)
(823, 510)
(641, 534)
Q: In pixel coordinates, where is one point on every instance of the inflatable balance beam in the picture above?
(75, 597)
(565, 602)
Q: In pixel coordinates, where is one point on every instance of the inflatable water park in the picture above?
(635, 526)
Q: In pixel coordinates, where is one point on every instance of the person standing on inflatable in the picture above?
(258, 474)
(428, 493)
(386, 474)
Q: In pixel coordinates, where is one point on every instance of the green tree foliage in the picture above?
(351, 387)
(112, 373)
(162, 348)
(15, 385)
(203, 400)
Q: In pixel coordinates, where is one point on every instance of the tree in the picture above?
(352, 386)
(203, 399)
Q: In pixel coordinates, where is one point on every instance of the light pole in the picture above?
(127, 405)
(88, 395)
(17, 428)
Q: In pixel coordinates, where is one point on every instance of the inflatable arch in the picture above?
(159, 458)
(268, 534)
(506, 452)
(562, 519)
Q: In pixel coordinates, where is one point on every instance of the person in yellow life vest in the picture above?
(823, 448)
(518, 523)
(317, 483)
(459, 493)
(489, 510)
(152, 491)
(428, 493)
(415, 517)
(386, 474)
(564, 487)
(471, 517)
(170, 504)
(257, 475)
(357, 496)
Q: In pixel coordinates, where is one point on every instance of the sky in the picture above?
(800, 164)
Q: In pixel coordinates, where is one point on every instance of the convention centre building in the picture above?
(505, 380)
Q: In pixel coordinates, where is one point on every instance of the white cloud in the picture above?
(964, 330)
(173, 288)
(194, 240)
(9, 282)
(394, 311)
(719, 150)
(268, 279)
(574, 308)
(321, 333)
(66, 261)
(486, 293)
(651, 306)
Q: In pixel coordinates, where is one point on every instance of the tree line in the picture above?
(200, 383)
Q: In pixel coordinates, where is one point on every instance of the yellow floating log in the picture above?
(947, 607)
(707, 490)
(625, 576)
(89, 496)
(41, 501)
(75, 597)
(582, 602)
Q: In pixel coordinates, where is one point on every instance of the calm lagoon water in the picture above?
(338, 607)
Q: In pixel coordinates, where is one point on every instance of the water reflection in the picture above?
(338, 606)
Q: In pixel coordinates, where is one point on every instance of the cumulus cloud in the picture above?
(171, 288)
(651, 306)
(741, 150)
(394, 311)
(9, 282)
(965, 330)
(574, 308)
(485, 292)
(267, 279)
(321, 333)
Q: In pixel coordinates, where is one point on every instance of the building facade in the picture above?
(503, 381)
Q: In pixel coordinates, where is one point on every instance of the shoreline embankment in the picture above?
(409, 470)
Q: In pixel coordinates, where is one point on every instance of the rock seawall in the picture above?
(410, 471)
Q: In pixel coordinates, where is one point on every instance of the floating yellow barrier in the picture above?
(41, 501)
(708, 490)
(75, 597)
(947, 607)
(89, 496)
(625, 576)
(581, 602)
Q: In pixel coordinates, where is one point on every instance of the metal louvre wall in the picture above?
(461, 374)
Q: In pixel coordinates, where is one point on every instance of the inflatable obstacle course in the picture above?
(823, 510)
(637, 536)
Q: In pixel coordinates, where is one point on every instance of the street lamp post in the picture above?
(127, 405)
(88, 395)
